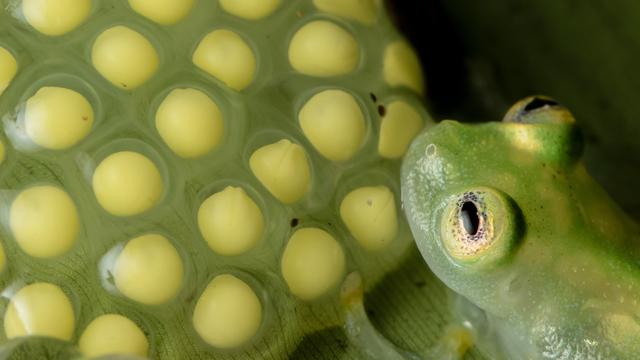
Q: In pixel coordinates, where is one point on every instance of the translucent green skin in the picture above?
(559, 278)
(266, 111)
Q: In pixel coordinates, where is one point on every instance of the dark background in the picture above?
(481, 56)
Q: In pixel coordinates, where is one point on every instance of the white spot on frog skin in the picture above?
(558, 345)
(430, 150)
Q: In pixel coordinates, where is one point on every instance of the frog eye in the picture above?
(480, 227)
(538, 110)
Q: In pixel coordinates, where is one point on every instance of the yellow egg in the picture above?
(8, 68)
(224, 55)
(334, 124)
(250, 9)
(282, 168)
(149, 270)
(127, 183)
(44, 221)
(230, 221)
(228, 313)
(113, 334)
(401, 67)
(56, 17)
(165, 12)
(57, 118)
(322, 48)
(124, 57)
(371, 217)
(313, 263)
(189, 122)
(40, 309)
(400, 124)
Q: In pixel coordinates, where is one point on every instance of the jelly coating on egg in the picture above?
(196, 179)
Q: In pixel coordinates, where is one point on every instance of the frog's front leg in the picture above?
(454, 343)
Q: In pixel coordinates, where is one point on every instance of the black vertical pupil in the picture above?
(469, 217)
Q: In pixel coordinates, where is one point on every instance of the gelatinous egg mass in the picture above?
(195, 179)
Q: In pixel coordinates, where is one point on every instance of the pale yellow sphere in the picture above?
(57, 118)
(8, 68)
(44, 221)
(400, 125)
(230, 221)
(228, 313)
(224, 55)
(3, 258)
(313, 263)
(3, 152)
(334, 124)
(56, 17)
(323, 49)
(282, 168)
(127, 183)
(124, 57)
(401, 67)
(149, 270)
(113, 334)
(370, 215)
(40, 309)
(165, 12)
(250, 9)
(189, 122)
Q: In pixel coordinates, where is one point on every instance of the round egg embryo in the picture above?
(230, 221)
(124, 57)
(228, 313)
(323, 49)
(370, 215)
(313, 263)
(189, 122)
(165, 12)
(226, 56)
(57, 118)
(112, 334)
(54, 18)
(8, 68)
(283, 168)
(149, 270)
(127, 183)
(40, 309)
(334, 124)
(44, 221)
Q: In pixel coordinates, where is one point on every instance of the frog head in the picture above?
(506, 215)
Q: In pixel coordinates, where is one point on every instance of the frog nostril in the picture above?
(469, 217)
(537, 103)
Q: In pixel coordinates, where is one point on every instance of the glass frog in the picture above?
(507, 216)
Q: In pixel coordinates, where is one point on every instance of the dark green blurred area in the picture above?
(479, 58)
